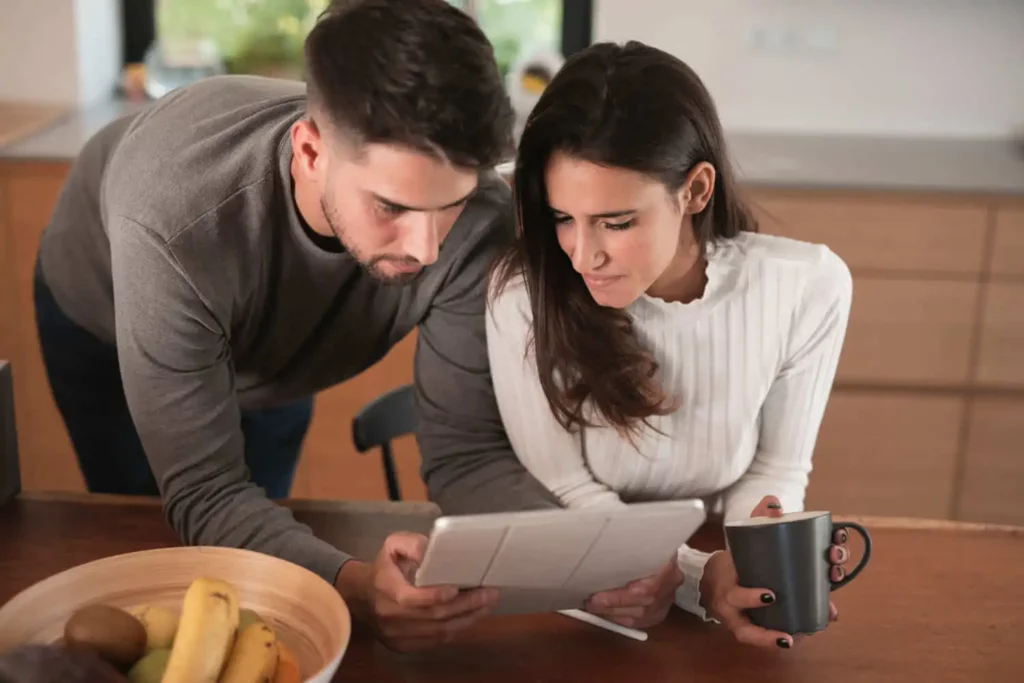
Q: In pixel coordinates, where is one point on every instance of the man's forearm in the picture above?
(470, 484)
(239, 515)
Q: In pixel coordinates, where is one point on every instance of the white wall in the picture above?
(59, 51)
(99, 40)
(901, 67)
(37, 50)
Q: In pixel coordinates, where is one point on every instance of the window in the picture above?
(265, 36)
(246, 36)
(516, 27)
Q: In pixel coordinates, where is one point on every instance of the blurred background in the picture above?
(890, 130)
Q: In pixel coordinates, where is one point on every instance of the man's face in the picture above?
(391, 207)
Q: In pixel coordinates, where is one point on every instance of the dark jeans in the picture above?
(86, 382)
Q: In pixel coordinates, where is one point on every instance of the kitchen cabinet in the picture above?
(994, 467)
(1001, 360)
(48, 460)
(937, 326)
(890, 453)
(892, 233)
(8, 319)
(914, 332)
(1008, 247)
(924, 419)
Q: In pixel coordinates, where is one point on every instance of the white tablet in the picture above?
(549, 560)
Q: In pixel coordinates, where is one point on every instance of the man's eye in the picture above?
(390, 210)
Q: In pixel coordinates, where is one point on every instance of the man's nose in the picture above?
(422, 239)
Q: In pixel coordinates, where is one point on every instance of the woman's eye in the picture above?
(621, 226)
(559, 220)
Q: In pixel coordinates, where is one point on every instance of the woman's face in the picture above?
(624, 233)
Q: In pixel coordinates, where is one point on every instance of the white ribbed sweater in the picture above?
(752, 362)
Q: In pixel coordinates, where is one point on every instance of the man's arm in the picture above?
(176, 368)
(467, 461)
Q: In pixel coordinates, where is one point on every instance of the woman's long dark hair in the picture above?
(627, 106)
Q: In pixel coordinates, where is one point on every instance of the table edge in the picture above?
(409, 507)
(422, 508)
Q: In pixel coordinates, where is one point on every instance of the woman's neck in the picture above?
(685, 279)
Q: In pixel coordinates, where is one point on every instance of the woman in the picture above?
(645, 341)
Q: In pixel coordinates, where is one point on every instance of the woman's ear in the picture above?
(698, 188)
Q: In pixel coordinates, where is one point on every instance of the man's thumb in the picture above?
(405, 545)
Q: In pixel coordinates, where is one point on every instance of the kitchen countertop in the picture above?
(62, 140)
(770, 160)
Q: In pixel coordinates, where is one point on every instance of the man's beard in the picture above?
(372, 264)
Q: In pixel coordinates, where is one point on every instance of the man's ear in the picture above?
(696, 191)
(308, 147)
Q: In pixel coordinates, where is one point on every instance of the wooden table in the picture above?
(939, 602)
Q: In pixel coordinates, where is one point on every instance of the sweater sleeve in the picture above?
(553, 454)
(792, 411)
(179, 383)
(467, 461)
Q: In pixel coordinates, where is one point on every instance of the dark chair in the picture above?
(10, 471)
(386, 417)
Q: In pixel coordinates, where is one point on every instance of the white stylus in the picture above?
(604, 623)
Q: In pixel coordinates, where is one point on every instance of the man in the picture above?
(242, 244)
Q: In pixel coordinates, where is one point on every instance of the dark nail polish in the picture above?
(843, 536)
(767, 598)
(783, 643)
(774, 506)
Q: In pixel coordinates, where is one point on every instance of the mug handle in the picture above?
(850, 575)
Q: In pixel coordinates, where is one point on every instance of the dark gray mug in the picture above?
(789, 556)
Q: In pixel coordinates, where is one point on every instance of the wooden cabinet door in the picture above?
(887, 454)
(1001, 359)
(8, 328)
(909, 332)
(889, 233)
(993, 478)
(1008, 243)
(47, 458)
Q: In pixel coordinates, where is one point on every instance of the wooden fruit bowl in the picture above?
(305, 611)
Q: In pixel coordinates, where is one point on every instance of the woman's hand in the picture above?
(642, 603)
(725, 600)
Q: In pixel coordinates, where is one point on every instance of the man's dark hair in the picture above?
(418, 73)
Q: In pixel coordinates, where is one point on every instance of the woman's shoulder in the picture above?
(812, 261)
(508, 299)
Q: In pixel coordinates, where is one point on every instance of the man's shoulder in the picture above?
(488, 215)
(200, 148)
(483, 230)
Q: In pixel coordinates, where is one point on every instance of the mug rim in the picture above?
(789, 518)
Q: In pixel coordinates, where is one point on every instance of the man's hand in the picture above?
(406, 618)
(642, 603)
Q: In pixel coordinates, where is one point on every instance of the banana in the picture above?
(254, 657)
(160, 623)
(247, 616)
(287, 666)
(206, 632)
